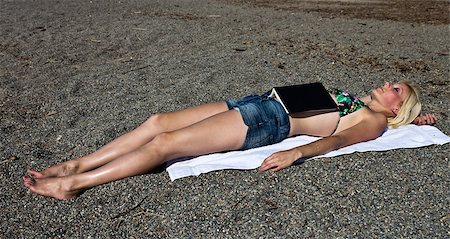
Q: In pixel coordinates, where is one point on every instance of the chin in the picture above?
(373, 94)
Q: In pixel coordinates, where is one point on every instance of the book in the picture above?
(305, 100)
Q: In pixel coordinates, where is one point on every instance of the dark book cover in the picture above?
(305, 100)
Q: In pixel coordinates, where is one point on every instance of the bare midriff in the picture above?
(318, 125)
(325, 124)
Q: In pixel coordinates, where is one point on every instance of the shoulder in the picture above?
(365, 125)
(374, 122)
(363, 116)
(372, 117)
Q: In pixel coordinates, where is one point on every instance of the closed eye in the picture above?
(396, 89)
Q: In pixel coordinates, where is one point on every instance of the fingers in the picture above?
(276, 162)
(267, 164)
(272, 165)
(430, 118)
(427, 119)
(276, 169)
(421, 120)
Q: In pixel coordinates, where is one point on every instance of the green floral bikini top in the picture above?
(346, 102)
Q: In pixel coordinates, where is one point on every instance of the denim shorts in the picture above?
(267, 121)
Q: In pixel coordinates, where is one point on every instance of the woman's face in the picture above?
(391, 96)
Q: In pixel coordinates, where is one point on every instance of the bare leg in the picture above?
(132, 140)
(224, 131)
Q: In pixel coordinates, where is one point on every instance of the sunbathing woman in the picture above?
(232, 125)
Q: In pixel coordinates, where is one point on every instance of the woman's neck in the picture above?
(375, 106)
(366, 99)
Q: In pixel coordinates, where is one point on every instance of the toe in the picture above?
(35, 174)
(27, 181)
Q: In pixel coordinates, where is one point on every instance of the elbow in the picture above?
(338, 142)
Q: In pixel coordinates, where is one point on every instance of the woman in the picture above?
(232, 125)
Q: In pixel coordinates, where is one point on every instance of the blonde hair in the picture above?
(410, 108)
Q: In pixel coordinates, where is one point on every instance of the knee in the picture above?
(155, 121)
(162, 142)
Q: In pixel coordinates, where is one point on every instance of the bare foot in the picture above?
(58, 188)
(59, 170)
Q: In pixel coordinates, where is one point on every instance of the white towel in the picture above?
(409, 136)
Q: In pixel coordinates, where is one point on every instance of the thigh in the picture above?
(171, 121)
(222, 132)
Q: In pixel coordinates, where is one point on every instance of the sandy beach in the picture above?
(75, 75)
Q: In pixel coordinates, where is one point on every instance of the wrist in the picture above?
(297, 154)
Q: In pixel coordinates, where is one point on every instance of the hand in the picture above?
(279, 160)
(425, 119)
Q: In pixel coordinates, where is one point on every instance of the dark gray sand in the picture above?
(75, 75)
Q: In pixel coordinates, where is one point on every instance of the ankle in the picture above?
(72, 167)
(70, 184)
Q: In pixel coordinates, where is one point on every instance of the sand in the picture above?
(75, 75)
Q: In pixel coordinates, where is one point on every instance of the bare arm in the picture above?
(366, 129)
